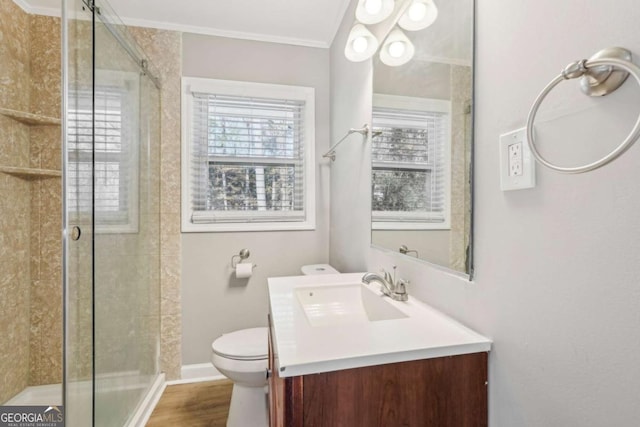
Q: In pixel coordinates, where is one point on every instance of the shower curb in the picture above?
(144, 410)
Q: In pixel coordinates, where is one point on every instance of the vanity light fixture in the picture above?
(419, 15)
(397, 49)
(374, 11)
(361, 44)
(387, 15)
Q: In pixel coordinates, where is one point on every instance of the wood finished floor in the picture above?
(204, 404)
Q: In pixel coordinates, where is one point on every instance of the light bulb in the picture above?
(419, 15)
(374, 11)
(373, 7)
(417, 11)
(360, 44)
(396, 49)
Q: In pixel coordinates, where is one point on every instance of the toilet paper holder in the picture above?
(242, 255)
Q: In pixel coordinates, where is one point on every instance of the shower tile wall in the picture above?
(164, 49)
(14, 203)
(30, 224)
(46, 206)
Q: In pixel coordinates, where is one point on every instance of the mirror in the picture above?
(422, 144)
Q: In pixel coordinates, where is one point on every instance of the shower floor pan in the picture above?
(50, 394)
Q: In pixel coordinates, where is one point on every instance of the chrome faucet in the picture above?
(396, 290)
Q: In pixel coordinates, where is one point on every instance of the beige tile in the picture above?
(45, 56)
(46, 147)
(14, 62)
(170, 234)
(14, 143)
(170, 285)
(34, 230)
(171, 358)
(170, 188)
(46, 300)
(15, 30)
(15, 264)
(14, 339)
(15, 84)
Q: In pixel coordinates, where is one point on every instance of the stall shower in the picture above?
(80, 214)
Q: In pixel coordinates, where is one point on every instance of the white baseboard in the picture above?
(197, 373)
(143, 413)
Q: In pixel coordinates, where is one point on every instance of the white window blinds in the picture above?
(247, 159)
(409, 177)
(103, 155)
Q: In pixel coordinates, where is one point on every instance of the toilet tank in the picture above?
(315, 269)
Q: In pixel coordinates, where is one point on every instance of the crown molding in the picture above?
(182, 28)
(225, 33)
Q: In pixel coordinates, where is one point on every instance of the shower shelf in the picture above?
(30, 118)
(30, 173)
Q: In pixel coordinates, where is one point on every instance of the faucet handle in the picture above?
(400, 291)
(387, 277)
(401, 286)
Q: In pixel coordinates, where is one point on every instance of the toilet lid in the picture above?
(246, 344)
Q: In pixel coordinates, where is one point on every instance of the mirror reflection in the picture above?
(421, 145)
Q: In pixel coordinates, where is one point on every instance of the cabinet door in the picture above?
(285, 394)
(272, 405)
(276, 388)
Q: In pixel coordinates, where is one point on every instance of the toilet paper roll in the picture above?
(244, 270)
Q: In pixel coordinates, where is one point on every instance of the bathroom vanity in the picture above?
(341, 354)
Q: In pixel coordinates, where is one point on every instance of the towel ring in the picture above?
(603, 70)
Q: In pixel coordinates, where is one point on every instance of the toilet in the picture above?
(242, 356)
(315, 269)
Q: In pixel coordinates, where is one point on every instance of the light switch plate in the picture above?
(517, 166)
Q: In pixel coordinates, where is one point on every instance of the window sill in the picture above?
(398, 225)
(238, 227)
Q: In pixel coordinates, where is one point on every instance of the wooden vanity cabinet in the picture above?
(441, 392)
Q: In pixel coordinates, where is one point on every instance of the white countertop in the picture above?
(302, 349)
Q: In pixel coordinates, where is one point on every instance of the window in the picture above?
(411, 163)
(247, 156)
(103, 167)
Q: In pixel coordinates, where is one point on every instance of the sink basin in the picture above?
(345, 304)
(332, 322)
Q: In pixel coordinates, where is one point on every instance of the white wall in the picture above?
(557, 266)
(351, 98)
(213, 300)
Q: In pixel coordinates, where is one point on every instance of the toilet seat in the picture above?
(246, 344)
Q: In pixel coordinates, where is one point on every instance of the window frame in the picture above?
(252, 221)
(389, 220)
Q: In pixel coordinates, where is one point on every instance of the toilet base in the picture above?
(249, 407)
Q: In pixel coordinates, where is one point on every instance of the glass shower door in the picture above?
(126, 223)
(78, 212)
(112, 169)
